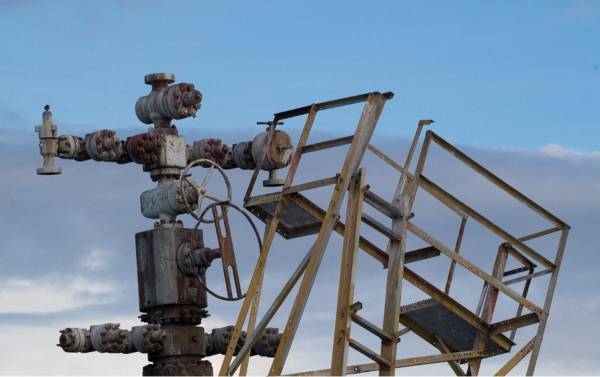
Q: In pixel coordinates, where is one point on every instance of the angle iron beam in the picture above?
(527, 277)
(400, 363)
(372, 328)
(370, 221)
(495, 179)
(454, 365)
(513, 361)
(513, 323)
(329, 105)
(541, 233)
(548, 301)
(444, 196)
(310, 185)
(331, 143)
(381, 205)
(368, 353)
(344, 313)
(474, 269)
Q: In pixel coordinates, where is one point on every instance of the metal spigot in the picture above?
(48, 143)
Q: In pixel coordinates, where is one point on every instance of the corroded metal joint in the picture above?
(266, 345)
(75, 340)
(148, 338)
(105, 145)
(72, 147)
(110, 338)
(144, 148)
(166, 102)
(214, 150)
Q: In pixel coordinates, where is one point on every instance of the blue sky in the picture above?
(507, 74)
(514, 83)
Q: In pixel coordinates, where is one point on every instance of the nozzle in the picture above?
(48, 143)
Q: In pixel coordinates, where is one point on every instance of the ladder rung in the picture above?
(420, 254)
(327, 144)
(372, 328)
(516, 271)
(380, 227)
(368, 353)
(381, 205)
(311, 185)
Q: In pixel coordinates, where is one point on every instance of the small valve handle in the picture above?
(201, 189)
(227, 254)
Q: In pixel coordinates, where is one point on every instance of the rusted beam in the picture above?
(495, 180)
(541, 233)
(548, 301)
(510, 364)
(341, 332)
(454, 365)
(420, 254)
(527, 277)
(311, 185)
(380, 227)
(381, 204)
(474, 269)
(329, 105)
(327, 144)
(372, 328)
(459, 237)
(369, 353)
(489, 307)
(444, 196)
(513, 323)
(400, 363)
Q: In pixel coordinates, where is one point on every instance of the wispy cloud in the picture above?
(558, 151)
(96, 259)
(53, 293)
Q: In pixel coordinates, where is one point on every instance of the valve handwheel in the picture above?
(230, 270)
(202, 189)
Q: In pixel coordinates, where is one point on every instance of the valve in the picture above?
(48, 143)
(194, 209)
(166, 102)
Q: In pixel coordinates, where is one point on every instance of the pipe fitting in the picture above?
(72, 147)
(75, 340)
(167, 102)
(104, 145)
(48, 143)
(110, 338)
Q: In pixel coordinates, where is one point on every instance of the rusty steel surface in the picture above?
(167, 102)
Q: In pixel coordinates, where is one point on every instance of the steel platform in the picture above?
(429, 319)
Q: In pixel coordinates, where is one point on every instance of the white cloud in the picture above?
(53, 293)
(558, 151)
(96, 259)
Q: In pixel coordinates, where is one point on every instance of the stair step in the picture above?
(368, 353)
(382, 205)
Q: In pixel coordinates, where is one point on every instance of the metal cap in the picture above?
(154, 78)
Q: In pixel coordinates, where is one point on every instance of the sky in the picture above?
(513, 83)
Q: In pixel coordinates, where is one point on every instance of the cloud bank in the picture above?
(68, 255)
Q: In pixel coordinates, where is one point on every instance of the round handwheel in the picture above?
(230, 270)
(202, 189)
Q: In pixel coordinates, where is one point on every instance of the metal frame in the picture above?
(352, 178)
